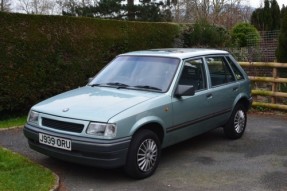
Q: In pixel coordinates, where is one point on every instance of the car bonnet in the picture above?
(93, 103)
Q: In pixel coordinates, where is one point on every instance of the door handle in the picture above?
(235, 89)
(209, 96)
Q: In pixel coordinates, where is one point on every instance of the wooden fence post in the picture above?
(274, 85)
(275, 80)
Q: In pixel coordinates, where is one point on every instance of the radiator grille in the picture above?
(61, 125)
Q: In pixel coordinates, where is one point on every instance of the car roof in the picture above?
(177, 52)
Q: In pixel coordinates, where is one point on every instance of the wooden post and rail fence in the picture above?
(275, 80)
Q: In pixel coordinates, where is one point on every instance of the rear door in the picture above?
(224, 88)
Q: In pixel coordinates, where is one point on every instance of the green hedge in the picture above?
(41, 56)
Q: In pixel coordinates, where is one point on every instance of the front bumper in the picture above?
(87, 151)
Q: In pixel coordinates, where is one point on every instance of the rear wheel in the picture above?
(236, 124)
(144, 154)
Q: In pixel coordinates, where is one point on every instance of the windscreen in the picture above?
(142, 72)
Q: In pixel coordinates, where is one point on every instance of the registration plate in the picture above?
(55, 141)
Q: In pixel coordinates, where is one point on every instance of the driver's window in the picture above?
(193, 74)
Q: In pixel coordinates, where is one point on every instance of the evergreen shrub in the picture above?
(203, 34)
(244, 34)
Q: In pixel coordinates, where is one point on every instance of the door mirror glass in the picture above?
(184, 90)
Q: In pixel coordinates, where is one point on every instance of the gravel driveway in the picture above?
(258, 161)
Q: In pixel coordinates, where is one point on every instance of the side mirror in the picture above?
(184, 90)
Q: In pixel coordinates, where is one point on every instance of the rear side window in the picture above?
(220, 72)
(237, 72)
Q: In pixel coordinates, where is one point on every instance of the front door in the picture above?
(189, 112)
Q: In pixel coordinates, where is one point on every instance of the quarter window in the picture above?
(238, 74)
(220, 72)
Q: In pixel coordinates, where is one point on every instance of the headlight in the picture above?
(102, 129)
(33, 117)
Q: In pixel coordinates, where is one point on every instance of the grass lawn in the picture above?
(19, 173)
(13, 122)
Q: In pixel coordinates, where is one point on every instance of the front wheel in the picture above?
(236, 124)
(144, 154)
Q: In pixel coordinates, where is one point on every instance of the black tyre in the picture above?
(144, 154)
(236, 124)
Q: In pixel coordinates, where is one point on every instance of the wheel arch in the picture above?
(244, 101)
(154, 127)
(134, 166)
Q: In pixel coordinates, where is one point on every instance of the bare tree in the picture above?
(45, 7)
(71, 5)
(183, 11)
(67, 5)
(219, 12)
(5, 6)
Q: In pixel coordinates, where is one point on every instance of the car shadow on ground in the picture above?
(168, 156)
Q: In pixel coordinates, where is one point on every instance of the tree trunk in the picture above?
(131, 15)
(2, 5)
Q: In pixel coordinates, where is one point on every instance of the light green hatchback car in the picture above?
(140, 103)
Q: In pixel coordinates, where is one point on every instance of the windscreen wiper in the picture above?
(118, 84)
(148, 87)
(93, 85)
(121, 85)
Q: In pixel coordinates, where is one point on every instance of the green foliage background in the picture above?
(281, 52)
(203, 34)
(44, 55)
(268, 17)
